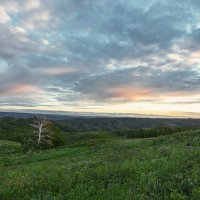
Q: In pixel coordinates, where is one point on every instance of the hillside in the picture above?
(13, 128)
(121, 123)
(16, 129)
(105, 167)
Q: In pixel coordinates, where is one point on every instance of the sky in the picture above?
(102, 56)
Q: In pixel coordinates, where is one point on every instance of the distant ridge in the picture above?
(67, 115)
(78, 122)
(29, 115)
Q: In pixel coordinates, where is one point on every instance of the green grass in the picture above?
(161, 168)
(91, 138)
(9, 147)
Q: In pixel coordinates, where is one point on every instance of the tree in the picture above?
(45, 135)
(42, 132)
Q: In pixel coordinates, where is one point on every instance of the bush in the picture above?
(196, 194)
(58, 138)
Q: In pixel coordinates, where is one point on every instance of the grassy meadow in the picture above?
(101, 166)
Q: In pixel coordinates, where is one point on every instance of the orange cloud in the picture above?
(58, 71)
(19, 89)
(130, 93)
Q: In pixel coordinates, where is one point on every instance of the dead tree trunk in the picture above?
(40, 124)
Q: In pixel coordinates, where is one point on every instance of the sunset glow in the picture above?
(102, 56)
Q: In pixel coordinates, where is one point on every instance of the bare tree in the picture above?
(42, 133)
(45, 135)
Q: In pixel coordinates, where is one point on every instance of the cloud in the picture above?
(58, 71)
(18, 89)
(99, 51)
(140, 83)
(32, 4)
(4, 17)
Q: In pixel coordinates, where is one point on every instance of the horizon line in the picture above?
(188, 115)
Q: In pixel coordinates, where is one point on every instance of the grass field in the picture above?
(104, 167)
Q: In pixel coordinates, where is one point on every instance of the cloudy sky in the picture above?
(110, 56)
